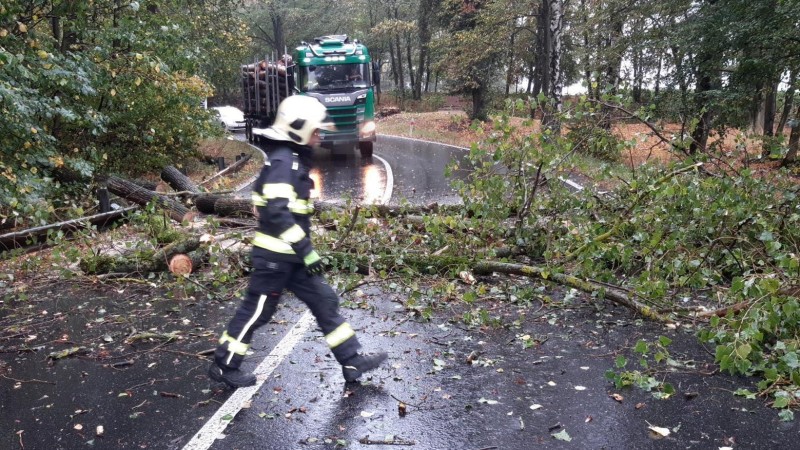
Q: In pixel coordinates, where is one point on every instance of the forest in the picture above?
(92, 89)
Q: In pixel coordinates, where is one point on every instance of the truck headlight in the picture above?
(368, 128)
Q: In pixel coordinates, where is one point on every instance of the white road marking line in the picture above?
(387, 193)
(205, 438)
(423, 140)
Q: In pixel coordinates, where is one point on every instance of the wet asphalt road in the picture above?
(402, 171)
(462, 388)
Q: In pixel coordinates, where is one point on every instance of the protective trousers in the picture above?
(267, 282)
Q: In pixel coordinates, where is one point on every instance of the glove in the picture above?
(313, 264)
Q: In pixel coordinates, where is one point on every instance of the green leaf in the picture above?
(620, 362)
(641, 347)
(664, 341)
(743, 351)
(745, 393)
(562, 436)
(786, 415)
(781, 402)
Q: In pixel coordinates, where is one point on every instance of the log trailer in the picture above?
(333, 69)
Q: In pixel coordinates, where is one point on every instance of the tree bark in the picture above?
(229, 206)
(788, 101)
(794, 140)
(205, 203)
(178, 181)
(614, 294)
(423, 24)
(551, 119)
(141, 262)
(22, 238)
(141, 196)
(411, 74)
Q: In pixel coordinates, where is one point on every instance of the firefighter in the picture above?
(283, 256)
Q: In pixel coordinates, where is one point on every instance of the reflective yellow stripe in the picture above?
(303, 207)
(258, 200)
(272, 244)
(342, 333)
(311, 258)
(279, 190)
(293, 234)
(240, 348)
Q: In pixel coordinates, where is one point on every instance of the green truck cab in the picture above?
(333, 69)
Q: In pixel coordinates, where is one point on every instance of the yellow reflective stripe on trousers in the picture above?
(279, 190)
(240, 348)
(342, 333)
(257, 199)
(293, 234)
(272, 244)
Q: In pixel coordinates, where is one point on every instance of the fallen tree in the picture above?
(142, 261)
(142, 196)
(25, 237)
(178, 181)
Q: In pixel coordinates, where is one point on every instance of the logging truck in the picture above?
(335, 70)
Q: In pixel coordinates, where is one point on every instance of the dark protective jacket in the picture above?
(281, 195)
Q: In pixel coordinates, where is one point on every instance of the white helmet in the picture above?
(298, 117)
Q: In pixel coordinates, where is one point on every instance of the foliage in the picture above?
(96, 88)
(650, 355)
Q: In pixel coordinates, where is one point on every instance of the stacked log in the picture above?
(265, 83)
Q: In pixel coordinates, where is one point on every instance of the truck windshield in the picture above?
(333, 77)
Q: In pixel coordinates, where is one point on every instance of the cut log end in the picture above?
(180, 264)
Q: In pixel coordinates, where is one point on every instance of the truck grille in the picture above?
(345, 119)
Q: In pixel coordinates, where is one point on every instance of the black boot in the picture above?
(234, 378)
(357, 365)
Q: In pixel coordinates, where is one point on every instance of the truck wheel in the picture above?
(366, 149)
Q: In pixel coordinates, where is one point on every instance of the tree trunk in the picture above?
(543, 48)
(178, 181)
(423, 25)
(551, 119)
(140, 262)
(705, 84)
(205, 203)
(393, 59)
(279, 37)
(510, 71)
(479, 103)
(400, 76)
(411, 73)
(770, 108)
(32, 235)
(657, 87)
(794, 140)
(141, 196)
(587, 68)
(788, 101)
(614, 294)
(229, 206)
